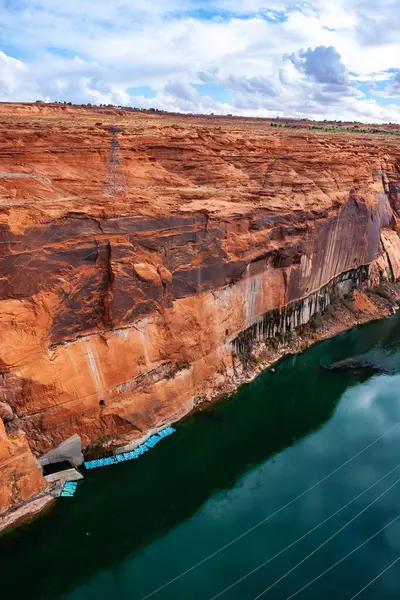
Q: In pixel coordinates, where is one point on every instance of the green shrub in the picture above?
(381, 291)
(101, 448)
(347, 300)
(272, 343)
(285, 337)
(304, 330)
(316, 322)
(330, 310)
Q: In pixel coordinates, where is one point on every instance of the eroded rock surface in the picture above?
(121, 308)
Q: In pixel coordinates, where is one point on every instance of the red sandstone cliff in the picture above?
(119, 310)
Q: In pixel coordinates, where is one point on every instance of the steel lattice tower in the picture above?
(114, 182)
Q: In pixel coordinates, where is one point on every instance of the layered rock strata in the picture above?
(121, 308)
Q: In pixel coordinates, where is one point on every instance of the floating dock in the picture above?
(68, 489)
(125, 456)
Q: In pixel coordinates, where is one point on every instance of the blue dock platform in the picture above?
(125, 456)
(68, 489)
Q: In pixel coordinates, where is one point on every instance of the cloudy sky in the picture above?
(313, 58)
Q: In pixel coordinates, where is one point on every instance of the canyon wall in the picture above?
(121, 308)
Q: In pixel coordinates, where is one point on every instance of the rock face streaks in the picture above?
(117, 314)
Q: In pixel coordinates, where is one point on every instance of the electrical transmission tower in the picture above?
(114, 183)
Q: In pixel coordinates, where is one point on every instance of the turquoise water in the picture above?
(132, 528)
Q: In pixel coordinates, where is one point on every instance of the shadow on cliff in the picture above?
(126, 507)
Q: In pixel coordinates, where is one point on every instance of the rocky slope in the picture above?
(123, 306)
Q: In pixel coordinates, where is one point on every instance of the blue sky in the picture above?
(313, 58)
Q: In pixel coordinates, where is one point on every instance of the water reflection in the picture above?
(129, 527)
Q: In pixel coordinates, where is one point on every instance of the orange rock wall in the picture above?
(20, 476)
(118, 310)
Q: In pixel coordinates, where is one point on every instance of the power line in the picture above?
(377, 577)
(326, 541)
(303, 536)
(344, 558)
(114, 182)
(270, 516)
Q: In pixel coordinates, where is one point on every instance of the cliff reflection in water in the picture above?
(117, 512)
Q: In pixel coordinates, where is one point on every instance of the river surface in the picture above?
(238, 485)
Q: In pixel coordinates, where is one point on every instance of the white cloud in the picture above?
(95, 52)
(183, 91)
(393, 90)
(323, 64)
(13, 76)
(378, 22)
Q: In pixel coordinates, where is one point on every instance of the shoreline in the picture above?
(364, 308)
(362, 311)
(26, 512)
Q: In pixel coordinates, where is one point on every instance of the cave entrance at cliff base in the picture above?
(57, 467)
